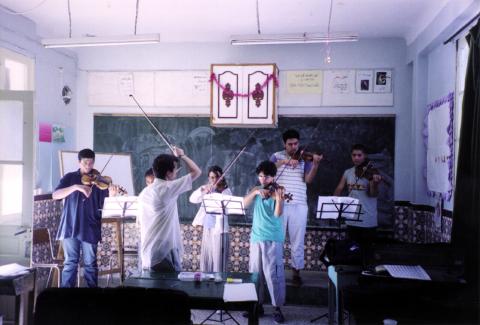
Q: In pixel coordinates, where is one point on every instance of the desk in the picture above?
(205, 295)
(23, 288)
(339, 276)
(372, 297)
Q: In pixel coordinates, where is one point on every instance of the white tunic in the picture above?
(208, 220)
(159, 222)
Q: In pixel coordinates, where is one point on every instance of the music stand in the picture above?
(339, 208)
(225, 206)
(122, 209)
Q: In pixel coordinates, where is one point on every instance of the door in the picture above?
(16, 175)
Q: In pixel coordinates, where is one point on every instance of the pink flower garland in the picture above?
(213, 78)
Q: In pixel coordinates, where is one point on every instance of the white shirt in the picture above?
(159, 222)
(217, 221)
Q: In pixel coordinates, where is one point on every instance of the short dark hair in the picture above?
(86, 153)
(267, 167)
(149, 172)
(359, 146)
(290, 134)
(163, 164)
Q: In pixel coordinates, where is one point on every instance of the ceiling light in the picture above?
(305, 38)
(101, 41)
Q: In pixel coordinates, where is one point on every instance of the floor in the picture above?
(294, 315)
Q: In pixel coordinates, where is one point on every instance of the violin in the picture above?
(366, 170)
(272, 187)
(301, 154)
(100, 181)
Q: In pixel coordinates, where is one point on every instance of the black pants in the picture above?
(364, 237)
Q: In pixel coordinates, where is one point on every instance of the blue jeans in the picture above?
(71, 249)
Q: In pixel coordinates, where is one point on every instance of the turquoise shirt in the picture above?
(266, 226)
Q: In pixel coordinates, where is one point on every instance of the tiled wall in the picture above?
(411, 225)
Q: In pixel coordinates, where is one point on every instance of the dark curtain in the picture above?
(466, 208)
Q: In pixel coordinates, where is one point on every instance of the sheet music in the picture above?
(113, 206)
(239, 292)
(407, 272)
(328, 206)
(233, 204)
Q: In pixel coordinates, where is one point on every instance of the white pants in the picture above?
(212, 259)
(295, 219)
(266, 258)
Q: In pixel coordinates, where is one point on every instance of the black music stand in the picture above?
(125, 209)
(223, 205)
(339, 208)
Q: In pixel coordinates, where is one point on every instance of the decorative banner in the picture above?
(44, 132)
(438, 134)
(305, 82)
(58, 133)
(226, 88)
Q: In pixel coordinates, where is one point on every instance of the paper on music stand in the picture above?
(239, 292)
(328, 207)
(114, 206)
(215, 203)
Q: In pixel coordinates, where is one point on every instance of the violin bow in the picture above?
(230, 164)
(153, 125)
(106, 164)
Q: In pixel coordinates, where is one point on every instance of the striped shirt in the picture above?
(293, 179)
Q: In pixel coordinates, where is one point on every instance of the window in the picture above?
(16, 71)
(462, 59)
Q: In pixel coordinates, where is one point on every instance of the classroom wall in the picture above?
(369, 53)
(434, 72)
(18, 34)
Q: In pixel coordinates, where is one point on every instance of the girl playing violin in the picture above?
(215, 226)
(266, 239)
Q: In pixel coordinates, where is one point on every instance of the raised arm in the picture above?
(313, 171)
(248, 199)
(193, 169)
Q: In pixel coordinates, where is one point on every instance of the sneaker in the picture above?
(278, 316)
(260, 310)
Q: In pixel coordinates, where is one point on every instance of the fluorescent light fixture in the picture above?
(305, 38)
(101, 41)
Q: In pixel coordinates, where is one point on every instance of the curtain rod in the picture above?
(461, 29)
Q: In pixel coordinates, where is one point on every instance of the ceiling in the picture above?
(217, 20)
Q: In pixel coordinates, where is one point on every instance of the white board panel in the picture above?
(300, 88)
(182, 88)
(113, 88)
(119, 168)
(344, 88)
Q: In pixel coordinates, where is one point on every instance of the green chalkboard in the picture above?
(208, 146)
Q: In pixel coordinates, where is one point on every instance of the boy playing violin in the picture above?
(266, 239)
(80, 224)
(362, 183)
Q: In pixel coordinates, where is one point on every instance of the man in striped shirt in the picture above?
(294, 175)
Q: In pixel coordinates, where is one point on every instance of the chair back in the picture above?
(42, 244)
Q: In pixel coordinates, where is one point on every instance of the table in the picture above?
(203, 295)
(23, 288)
